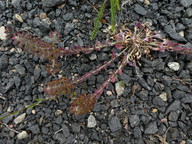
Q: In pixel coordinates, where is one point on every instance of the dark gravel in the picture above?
(156, 97)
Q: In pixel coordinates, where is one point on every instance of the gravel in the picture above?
(150, 99)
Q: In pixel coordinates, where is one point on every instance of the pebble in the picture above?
(93, 57)
(173, 34)
(9, 86)
(114, 103)
(119, 87)
(143, 95)
(140, 10)
(186, 3)
(179, 27)
(114, 124)
(22, 135)
(175, 66)
(182, 33)
(178, 94)
(34, 129)
(163, 96)
(68, 28)
(16, 3)
(173, 106)
(158, 101)
(76, 127)
(20, 118)
(91, 121)
(187, 99)
(189, 12)
(2, 33)
(103, 57)
(137, 132)
(19, 18)
(20, 69)
(66, 131)
(10, 109)
(58, 112)
(3, 61)
(58, 119)
(109, 93)
(68, 16)
(60, 138)
(52, 3)
(17, 81)
(151, 128)
(43, 15)
(173, 116)
(134, 120)
(45, 130)
(37, 73)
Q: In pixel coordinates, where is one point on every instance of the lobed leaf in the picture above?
(82, 104)
(59, 87)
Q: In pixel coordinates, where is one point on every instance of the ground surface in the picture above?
(157, 96)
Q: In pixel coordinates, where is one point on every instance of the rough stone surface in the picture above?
(173, 106)
(187, 99)
(154, 98)
(173, 34)
(65, 129)
(22, 135)
(91, 122)
(3, 61)
(174, 66)
(119, 87)
(52, 3)
(114, 124)
(186, 3)
(35, 129)
(20, 118)
(140, 10)
(151, 128)
(134, 120)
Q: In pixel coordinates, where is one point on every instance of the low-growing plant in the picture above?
(130, 45)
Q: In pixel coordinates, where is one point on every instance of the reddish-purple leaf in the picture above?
(120, 71)
(113, 79)
(113, 54)
(119, 46)
(157, 36)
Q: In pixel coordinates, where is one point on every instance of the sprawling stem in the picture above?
(88, 49)
(99, 68)
(100, 90)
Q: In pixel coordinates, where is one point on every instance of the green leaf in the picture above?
(113, 14)
(33, 105)
(40, 99)
(97, 21)
(118, 5)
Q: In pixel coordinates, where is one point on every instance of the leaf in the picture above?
(119, 46)
(118, 5)
(82, 104)
(97, 21)
(113, 14)
(113, 79)
(40, 99)
(33, 105)
(120, 71)
(59, 87)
